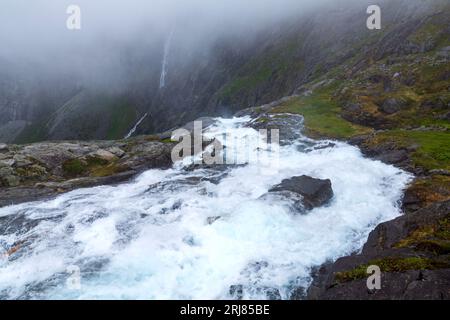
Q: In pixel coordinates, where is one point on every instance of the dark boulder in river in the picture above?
(315, 192)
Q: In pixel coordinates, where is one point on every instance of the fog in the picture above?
(34, 33)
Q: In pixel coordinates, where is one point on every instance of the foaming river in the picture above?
(193, 234)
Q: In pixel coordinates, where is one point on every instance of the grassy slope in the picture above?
(116, 115)
(322, 116)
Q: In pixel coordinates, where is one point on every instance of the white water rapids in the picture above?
(157, 237)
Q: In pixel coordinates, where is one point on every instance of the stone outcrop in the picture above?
(314, 192)
(413, 252)
(35, 171)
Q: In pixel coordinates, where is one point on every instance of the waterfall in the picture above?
(165, 61)
(133, 130)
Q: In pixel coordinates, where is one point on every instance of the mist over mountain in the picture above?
(97, 82)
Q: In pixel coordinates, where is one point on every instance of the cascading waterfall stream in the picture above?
(192, 234)
(165, 61)
(133, 130)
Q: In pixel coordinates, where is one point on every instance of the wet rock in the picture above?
(314, 192)
(8, 178)
(298, 294)
(36, 171)
(272, 293)
(205, 121)
(356, 114)
(358, 140)
(441, 172)
(393, 156)
(408, 80)
(383, 79)
(289, 126)
(15, 195)
(116, 151)
(255, 112)
(411, 201)
(7, 163)
(444, 53)
(294, 201)
(3, 147)
(352, 107)
(433, 104)
(387, 234)
(409, 285)
(392, 105)
(21, 161)
(386, 152)
(16, 224)
(445, 116)
(237, 291)
(211, 220)
(103, 155)
(398, 240)
(11, 181)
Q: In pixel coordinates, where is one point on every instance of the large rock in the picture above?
(40, 170)
(104, 155)
(289, 127)
(412, 253)
(315, 192)
(444, 52)
(393, 105)
(3, 147)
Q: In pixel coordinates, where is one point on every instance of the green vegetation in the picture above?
(32, 133)
(274, 65)
(246, 82)
(74, 167)
(168, 140)
(108, 170)
(93, 161)
(391, 264)
(33, 171)
(433, 238)
(431, 189)
(322, 116)
(92, 166)
(427, 31)
(123, 116)
(432, 152)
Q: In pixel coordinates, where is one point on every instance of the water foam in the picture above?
(180, 234)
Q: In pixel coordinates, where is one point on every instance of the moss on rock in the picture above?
(74, 167)
(391, 264)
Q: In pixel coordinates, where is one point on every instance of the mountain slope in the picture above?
(234, 73)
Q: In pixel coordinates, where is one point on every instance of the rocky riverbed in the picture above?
(411, 250)
(31, 172)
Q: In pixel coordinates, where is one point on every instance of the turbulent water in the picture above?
(192, 234)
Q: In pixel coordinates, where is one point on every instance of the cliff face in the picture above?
(234, 73)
